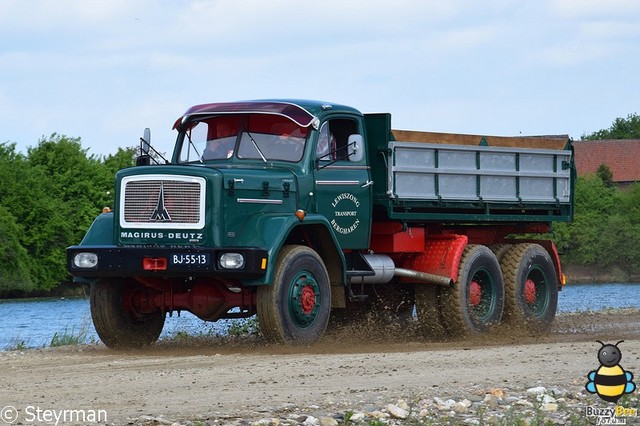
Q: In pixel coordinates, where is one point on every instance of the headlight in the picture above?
(85, 260)
(231, 261)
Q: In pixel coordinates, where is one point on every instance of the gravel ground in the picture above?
(390, 377)
(497, 406)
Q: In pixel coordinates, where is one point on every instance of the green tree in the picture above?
(15, 264)
(622, 128)
(630, 204)
(583, 239)
(14, 260)
(592, 195)
(605, 174)
(606, 227)
(124, 157)
(620, 245)
(12, 168)
(48, 199)
(64, 190)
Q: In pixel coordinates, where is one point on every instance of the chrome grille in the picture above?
(179, 200)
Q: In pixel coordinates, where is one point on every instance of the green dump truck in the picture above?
(296, 210)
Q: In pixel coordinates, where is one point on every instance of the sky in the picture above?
(102, 71)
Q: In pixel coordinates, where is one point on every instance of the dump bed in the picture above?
(468, 178)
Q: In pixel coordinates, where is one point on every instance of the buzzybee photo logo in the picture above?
(610, 381)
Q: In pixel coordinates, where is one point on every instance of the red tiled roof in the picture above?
(622, 156)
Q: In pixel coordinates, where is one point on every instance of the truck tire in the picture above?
(531, 287)
(475, 302)
(428, 311)
(116, 326)
(500, 250)
(295, 308)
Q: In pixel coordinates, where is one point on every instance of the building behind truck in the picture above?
(298, 210)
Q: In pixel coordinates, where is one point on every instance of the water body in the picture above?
(34, 322)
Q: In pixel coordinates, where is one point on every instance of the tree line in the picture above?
(48, 198)
(50, 195)
(605, 231)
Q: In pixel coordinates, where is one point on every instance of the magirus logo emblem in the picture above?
(160, 214)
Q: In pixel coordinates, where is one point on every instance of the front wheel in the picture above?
(531, 287)
(476, 301)
(114, 320)
(295, 308)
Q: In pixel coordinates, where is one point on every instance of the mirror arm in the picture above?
(156, 152)
(145, 157)
(318, 167)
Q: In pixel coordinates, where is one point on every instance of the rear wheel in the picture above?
(476, 301)
(531, 287)
(295, 308)
(117, 325)
(500, 250)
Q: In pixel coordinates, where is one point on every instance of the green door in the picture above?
(343, 186)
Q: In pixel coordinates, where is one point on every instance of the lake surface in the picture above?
(34, 322)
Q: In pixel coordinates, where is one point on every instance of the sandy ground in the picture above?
(250, 379)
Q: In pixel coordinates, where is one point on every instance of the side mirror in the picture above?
(144, 159)
(355, 148)
(145, 141)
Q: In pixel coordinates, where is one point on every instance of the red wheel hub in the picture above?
(475, 293)
(308, 299)
(530, 291)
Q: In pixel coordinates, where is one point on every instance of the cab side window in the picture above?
(326, 148)
(333, 139)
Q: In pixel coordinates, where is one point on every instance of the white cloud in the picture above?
(609, 29)
(42, 15)
(465, 37)
(575, 54)
(586, 33)
(594, 8)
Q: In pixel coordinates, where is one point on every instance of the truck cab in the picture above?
(245, 180)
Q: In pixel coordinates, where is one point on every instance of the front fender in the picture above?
(100, 232)
(271, 232)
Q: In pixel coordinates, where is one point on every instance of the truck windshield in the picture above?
(261, 137)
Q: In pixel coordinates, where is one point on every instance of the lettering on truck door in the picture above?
(343, 187)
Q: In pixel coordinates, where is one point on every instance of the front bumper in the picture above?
(115, 261)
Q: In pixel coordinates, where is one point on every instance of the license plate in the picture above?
(189, 259)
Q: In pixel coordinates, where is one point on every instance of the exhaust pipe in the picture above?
(424, 276)
(384, 270)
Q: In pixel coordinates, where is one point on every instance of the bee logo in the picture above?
(610, 381)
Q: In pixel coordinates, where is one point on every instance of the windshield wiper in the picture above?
(253, 141)
(194, 147)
